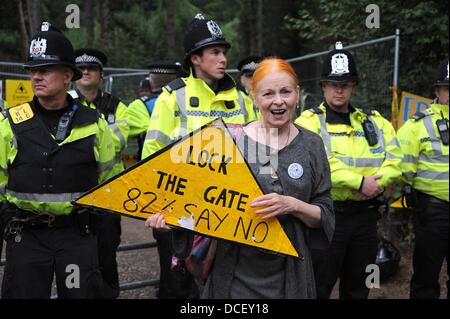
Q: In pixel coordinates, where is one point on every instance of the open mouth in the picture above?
(278, 112)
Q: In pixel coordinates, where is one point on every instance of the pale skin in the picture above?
(210, 66)
(90, 82)
(442, 94)
(276, 91)
(50, 84)
(338, 97)
(246, 80)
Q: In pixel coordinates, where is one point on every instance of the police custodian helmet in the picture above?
(50, 47)
(442, 74)
(88, 56)
(339, 66)
(201, 33)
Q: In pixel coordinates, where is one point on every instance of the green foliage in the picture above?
(423, 25)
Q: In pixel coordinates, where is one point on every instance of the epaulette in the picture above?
(175, 85)
(419, 115)
(316, 110)
(73, 94)
(144, 98)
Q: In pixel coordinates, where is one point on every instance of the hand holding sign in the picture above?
(201, 183)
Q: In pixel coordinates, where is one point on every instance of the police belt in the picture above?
(43, 220)
(351, 206)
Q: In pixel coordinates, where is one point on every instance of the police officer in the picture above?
(424, 141)
(91, 62)
(247, 67)
(140, 110)
(187, 103)
(207, 93)
(52, 150)
(144, 87)
(364, 158)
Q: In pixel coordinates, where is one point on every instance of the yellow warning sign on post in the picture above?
(18, 92)
(201, 183)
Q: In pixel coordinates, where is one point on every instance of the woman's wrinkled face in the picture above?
(276, 96)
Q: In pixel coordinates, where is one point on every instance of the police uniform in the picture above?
(424, 141)
(186, 104)
(47, 159)
(115, 113)
(358, 144)
(141, 109)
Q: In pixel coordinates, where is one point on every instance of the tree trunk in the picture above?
(23, 31)
(105, 25)
(171, 32)
(89, 21)
(259, 27)
(34, 15)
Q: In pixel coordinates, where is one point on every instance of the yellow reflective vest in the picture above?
(187, 105)
(425, 162)
(350, 155)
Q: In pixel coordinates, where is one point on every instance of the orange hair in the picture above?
(272, 64)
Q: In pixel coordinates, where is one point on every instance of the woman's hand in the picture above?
(275, 204)
(157, 221)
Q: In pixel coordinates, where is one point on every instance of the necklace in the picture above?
(273, 171)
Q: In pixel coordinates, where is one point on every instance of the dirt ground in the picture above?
(143, 264)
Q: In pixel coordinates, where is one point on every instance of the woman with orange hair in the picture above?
(295, 178)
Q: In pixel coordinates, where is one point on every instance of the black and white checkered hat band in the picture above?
(163, 71)
(250, 67)
(88, 59)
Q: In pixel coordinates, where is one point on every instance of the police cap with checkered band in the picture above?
(89, 57)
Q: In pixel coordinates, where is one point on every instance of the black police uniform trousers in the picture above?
(354, 246)
(431, 246)
(44, 252)
(108, 232)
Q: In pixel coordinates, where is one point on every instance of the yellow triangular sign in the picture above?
(21, 89)
(200, 182)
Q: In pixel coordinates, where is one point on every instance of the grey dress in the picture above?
(241, 271)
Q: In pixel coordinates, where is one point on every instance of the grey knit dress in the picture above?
(246, 272)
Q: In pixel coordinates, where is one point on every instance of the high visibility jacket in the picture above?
(56, 172)
(115, 113)
(425, 162)
(138, 114)
(350, 155)
(188, 103)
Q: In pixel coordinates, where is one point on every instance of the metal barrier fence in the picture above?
(123, 248)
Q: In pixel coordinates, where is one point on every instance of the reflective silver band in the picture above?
(435, 141)
(158, 135)
(56, 198)
(181, 102)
